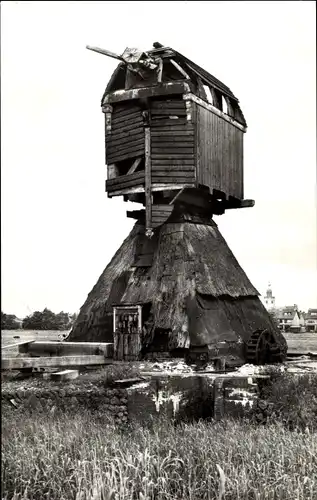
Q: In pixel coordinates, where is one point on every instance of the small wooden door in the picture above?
(127, 322)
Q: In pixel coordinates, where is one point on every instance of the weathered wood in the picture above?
(172, 128)
(173, 150)
(173, 173)
(125, 182)
(173, 168)
(179, 181)
(166, 122)
(169, 186)
(168, 112)
(18, 344)
(172, 156)
(136, 126)
(219, 157)
(165, 148)
(179, 68)
(128, 117)
(157, 186)
(128, 138)
(135, 190)
(137, 120)
(148, 194)
(166, 103)
(161, 208)
(21, 363)
(216, 111)
(134, 166)
(124, 135)
(164, 89)
(171, 140)
(241, 204)
(173, 163)
(135, 214)
(171, 133)
(137, 151)
(41, 348)
(112, 171)
(123, 109)
(126, 178)
(126, 145)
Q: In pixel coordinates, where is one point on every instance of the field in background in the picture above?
(7, 338)
(301, 342)
(297, 342)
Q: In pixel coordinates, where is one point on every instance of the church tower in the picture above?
(269, 300)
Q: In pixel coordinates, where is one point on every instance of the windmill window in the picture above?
(208, 94)
(224, 105)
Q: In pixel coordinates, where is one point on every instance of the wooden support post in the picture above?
(148, 190)
(160, 71)
(134, 166)
(112, 171)
(108, 114)
(176, 196)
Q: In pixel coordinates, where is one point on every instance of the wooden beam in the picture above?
(135, 214)
(43, 348)
(56, 361)
(158, 186)
(213, 109)
(247, 203)
(179, 68)
(134, 166)
(239, 204)
(176, 196)
(148, 192)
(163, 89)
(17, 344)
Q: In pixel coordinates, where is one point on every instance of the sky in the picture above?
(58, 228)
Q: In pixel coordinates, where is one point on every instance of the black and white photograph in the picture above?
(158, 250)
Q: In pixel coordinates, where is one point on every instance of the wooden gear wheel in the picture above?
(262, 348)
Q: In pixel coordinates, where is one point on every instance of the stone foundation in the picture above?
(174, 396)
(74, 399)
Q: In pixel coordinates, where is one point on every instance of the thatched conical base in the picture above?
(192, 290)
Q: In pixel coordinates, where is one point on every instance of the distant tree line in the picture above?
(45, 320)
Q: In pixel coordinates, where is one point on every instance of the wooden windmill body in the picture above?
(174, 144)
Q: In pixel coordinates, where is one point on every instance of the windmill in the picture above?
(174, 144)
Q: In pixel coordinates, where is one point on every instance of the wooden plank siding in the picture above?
(219, 153)
(125, 181)
(172, 142)
(126, 139)
(160, 214)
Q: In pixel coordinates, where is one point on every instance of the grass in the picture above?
(83, 458)
(294, 400)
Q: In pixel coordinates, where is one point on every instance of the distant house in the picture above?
(311, 320)
(290, 319)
